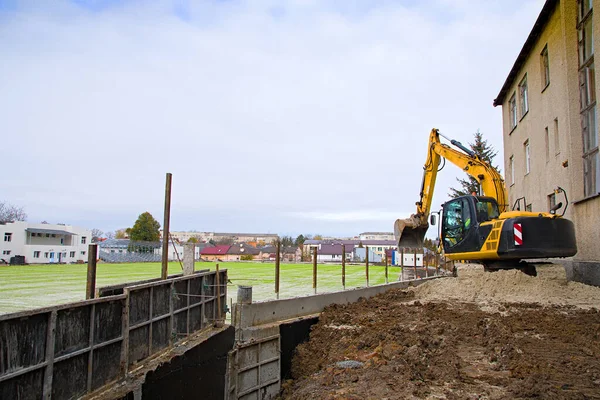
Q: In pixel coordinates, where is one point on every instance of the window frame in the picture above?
(512, 111)
(8, 237)
(524, 96)
(511, 167)
(588, 100)
(545, 64)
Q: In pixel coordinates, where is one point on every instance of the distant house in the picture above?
(44, 243)
(378, 247)
(217, 253)
(287, 253)
(333, 252)
(238, 250)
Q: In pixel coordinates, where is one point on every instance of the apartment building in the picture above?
(44, 243)
(550, 124)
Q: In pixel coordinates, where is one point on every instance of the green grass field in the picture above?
(33, 286)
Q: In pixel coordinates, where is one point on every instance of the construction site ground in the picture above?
(481, 335)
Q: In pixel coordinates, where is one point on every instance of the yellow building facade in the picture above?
(550, 124)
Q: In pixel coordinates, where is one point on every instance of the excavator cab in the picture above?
(462, 219)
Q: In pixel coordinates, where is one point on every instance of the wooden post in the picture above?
(315, 269)
(90, 290)
(344, 266)
(386, 267)
(167, 218)
(425, 265)
(277, 267)
(415, 262)
(367, 264)
(437, 264)
(218, 284)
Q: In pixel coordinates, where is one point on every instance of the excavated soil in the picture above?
(501, 335)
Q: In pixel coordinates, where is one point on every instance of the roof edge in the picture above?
(534, 35)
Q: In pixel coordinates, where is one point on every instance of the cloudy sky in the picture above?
(280, 116)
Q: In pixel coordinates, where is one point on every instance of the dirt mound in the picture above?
(407, 344)
(550, 287)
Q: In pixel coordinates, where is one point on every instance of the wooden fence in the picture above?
(69, 350)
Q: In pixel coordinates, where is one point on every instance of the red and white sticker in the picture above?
(518, 235)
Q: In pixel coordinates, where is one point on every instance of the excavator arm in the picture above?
(490, 180)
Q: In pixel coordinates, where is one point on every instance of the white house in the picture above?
(44, 243)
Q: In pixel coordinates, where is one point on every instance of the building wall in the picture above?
(23, 244)
(555, 105)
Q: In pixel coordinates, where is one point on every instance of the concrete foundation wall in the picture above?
(255, 314)
(584, 272)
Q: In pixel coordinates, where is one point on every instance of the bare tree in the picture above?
(11, 213)
(96, 235)
(110, 235)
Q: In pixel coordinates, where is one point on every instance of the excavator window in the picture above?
(487, 209)
(456, 221)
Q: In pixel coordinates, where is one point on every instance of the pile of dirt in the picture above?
(427, 343)
(549, 287)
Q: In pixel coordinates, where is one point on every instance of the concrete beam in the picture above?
(267, 312)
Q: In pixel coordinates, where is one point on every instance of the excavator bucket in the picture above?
(410, 232)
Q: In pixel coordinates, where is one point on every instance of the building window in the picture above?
(83, 240)
(545, 68)
(551, 201)
(72, 254)
(53, 235)
(511, 169)
(83, 253)
(527, 158)
(6, 252)
(512, 106)
(7, 236)
(587, 99)
(46, 255)
(36, 254)
(62, 240)
(47, 235)
(523, 96)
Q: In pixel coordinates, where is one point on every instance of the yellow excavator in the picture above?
(481, 228)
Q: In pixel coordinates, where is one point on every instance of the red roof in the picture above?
(214, 251)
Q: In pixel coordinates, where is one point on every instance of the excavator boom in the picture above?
(411, 232)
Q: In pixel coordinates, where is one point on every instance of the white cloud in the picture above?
(262, 107)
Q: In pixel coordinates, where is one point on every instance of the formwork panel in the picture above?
(248, 356)
(138, 344)
(196, 290)
(180, 298)
(269, 372)
(160, 300)
(22, 342)
(269, 349)
(180, 323)
(139, 306)
(160, 334)
(196, 318)
(69, 380)
(247, 380)
(106, 364)
(72, 330)
(108, 321)
(250, 396)
(26, 386)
